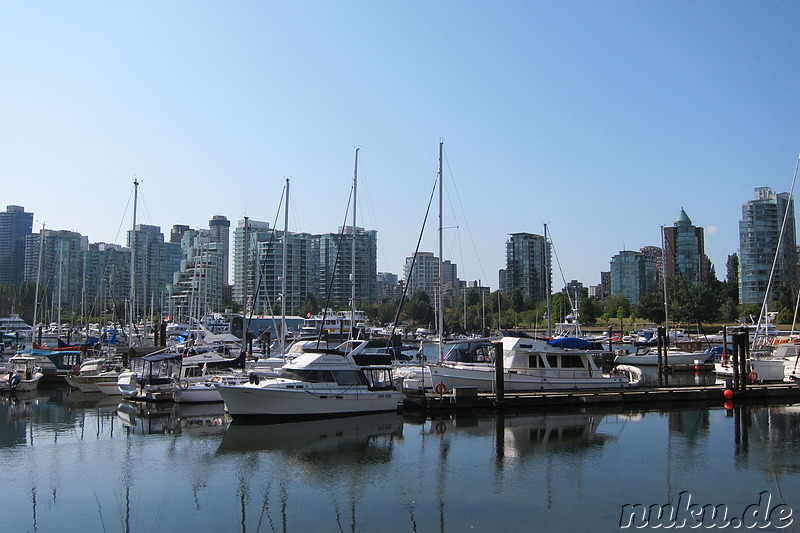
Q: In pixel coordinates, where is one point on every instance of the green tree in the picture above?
(651, 307)
(418, 309)
(615, 302)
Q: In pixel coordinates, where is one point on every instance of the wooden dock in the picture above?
(525, 401)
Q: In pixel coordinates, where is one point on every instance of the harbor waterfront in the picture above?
(83, 462)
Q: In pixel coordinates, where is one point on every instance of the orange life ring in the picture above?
(440, 388)
(753, 377)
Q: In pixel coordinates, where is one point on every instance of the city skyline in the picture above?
(602, 120)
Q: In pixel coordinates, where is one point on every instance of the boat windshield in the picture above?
(470, 352)
(339, 377)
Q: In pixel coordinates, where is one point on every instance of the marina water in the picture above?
(74, 462)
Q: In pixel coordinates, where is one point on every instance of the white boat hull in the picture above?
(547, 380)
(197, 393)
(25, 385)
(761, 369)
(674, 358)
(254, 400)
(110, 388)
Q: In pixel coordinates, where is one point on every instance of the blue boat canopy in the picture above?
(573, 343)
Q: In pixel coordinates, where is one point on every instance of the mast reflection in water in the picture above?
(89, 463)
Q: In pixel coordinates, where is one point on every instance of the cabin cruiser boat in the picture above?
(531, 364)
(317, 384)
(647, 356)
(21, 375)
(156, 376)
(88, 376)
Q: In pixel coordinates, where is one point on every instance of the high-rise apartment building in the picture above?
(221, 229)
(59, 269)
(685, 251)
(155, 262)
(108, 274)
(246, 238)
(197, 288)
(270, 293)
(527, 264)
(421, 272)
(15, 226)
(761, 244)
(633, 274)
(335, 266)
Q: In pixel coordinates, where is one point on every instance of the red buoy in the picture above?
(728, 394)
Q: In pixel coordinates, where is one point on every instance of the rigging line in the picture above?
(363, 179)
(124, 214)
(264, 264)
(566, 287)
(145, 211)
(413, 262)
(332, 277)
(466, 220)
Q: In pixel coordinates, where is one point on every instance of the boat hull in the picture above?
(255, 401)
(671, 359)
(761, 369)
(25, 385)
(484, 380)
(197, 393)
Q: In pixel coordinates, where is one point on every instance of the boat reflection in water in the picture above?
(337, 438)
(159, 418)
(156, 467)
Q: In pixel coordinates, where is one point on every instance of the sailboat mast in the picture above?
(440, 324)
(353, 262)
(284, 267)
(38, 282)
(664, 277)
(132, 294)
(548, 284)
(245, 322)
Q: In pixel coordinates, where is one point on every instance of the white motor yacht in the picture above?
(324, 384)
(531, 364)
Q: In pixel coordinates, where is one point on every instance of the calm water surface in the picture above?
(76, 462)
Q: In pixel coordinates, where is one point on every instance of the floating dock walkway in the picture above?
(469, 398)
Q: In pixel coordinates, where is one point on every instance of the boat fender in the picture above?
(753, 377)
(440, 388)
(183, 384)
(253, 378)
(14, 380)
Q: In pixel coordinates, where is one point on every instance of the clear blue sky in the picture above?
(600, 118)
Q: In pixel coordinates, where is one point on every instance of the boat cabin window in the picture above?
(534, 362)
(571, 361)
(192, 371)
(340, 377)
(552, 361)
(378, 379)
